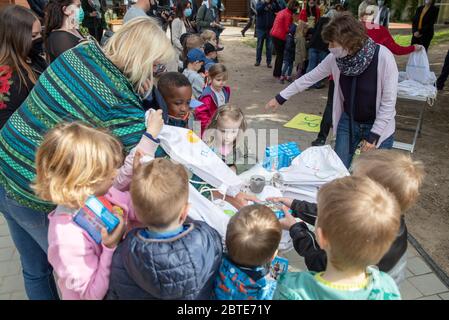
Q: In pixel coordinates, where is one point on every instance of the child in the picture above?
(395, 171)
(252, 238)
(195, 60)
(289, 55)
(169, 258)
(300, 48)
(356, 224)
(190, 41)
(211, 52)
(209, 36)
(74, 162)
(215, 95)
(225, 136)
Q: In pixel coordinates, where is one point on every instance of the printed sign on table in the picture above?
(305, 122)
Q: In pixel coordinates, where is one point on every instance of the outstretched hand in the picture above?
(272, 105)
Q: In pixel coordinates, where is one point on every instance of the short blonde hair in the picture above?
(159, 191)
(72, 161)
(394, 170)
(253, 236)
(208, 35)
(360, 220)
(136, 46)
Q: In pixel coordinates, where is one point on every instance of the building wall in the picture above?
(236, 8)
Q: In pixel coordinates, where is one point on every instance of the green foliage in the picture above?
(439, 37)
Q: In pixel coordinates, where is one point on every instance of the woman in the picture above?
(181, 24)
(281, 26)
(366, 76)
(207, 17)
(62, 22)
(21, 65)
(94, 17)
(21, 60)
(86, 84)
(310, 14)
(422, 23)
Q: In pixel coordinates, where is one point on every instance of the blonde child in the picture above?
(300, 47)
(252, 239)
(357, 222)
(215, 94)
(73, 163)
(169, 258)
(209, 36)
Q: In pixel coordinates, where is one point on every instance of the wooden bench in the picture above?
(236, 20)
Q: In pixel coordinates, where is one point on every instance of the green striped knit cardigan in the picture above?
(81, 85)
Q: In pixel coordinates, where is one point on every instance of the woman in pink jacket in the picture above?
(366, 79)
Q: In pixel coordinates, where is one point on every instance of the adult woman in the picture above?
(62, 21)
(21, 65)
(21, 58)
(181, 24)
(310, 14)
(279, 32)
(85, 84)
(422, 23)
(366, 76)
(207, 17)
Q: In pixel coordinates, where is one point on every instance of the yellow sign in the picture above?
(305, 122)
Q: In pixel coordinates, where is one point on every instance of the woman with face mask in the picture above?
(63, 19)
(181, 24)
(366, 78)
(422, 24)
(207, 17)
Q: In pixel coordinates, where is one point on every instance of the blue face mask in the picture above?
(188, 12)
(79, 15)
(214, 3)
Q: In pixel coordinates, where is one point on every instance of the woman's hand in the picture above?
(272, 105)
(111, 240)
(241, 200)
(286, 201)
(418, 47)
(366, 146)
(417, 34)
(288, 221)
(155, 123)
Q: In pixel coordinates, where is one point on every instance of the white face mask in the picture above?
(338, 52)
(427, 1)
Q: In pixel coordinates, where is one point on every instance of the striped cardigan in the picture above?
(81, 85)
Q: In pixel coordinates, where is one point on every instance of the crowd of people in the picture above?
(81, 121)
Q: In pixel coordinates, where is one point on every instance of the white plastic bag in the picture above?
(185, 147)
(418, 68)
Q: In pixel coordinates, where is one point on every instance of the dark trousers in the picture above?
(279, 47)
(249, 24)
(424, 40)
(326, 122)
(444, 73)
(263, 36)
(95, 27)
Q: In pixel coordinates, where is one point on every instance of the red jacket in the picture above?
(303, 14)
(281, 25)
(382, 36)
(206, 112)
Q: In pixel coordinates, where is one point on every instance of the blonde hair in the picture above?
(136, 46)
(394, 170)
(72, 161)
(208, 35)
(359, 218)
(159, 191)
(216, 70)
(253, 236)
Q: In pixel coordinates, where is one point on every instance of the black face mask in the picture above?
(37, 48)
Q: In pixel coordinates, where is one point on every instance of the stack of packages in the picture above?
(280, 156)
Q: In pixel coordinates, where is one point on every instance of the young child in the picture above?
(356, 224)
(209, 36)
(211, 52)
(300, 48)
(215, 95)
(252, 238)
(169, 258)
(394, 170)
(195, 60)
(289, 55)
(190, 41)
(74, 162)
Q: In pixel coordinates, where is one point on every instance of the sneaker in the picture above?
(243, 33)
(269, 65)
(318, 142)
(257, 64)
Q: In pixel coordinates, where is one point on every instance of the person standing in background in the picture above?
(251, 15)
(94, 17)
(444, 73)
(383, 15)
(423, 21)
(266, 13)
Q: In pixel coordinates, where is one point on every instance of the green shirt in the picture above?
(311, 286)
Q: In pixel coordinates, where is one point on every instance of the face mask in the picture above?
(79, 15)
(36, 48)
(188, 12)
(214, 3)
(380, 3)
(338, 52)
(427, 2)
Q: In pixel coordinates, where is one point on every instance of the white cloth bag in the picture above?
(418, 68)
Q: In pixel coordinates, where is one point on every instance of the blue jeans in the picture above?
(360, 132)
(315, 58)
(287, 69)
(29, 231)
(263, 35)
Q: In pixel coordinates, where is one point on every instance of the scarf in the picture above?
(356, 64)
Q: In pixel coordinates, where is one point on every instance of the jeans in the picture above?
(360, 132)
(444, 73)
(287, 69)
(29, 231)
(263, 35)
(279, 47)
(249, 24)
(315, 58)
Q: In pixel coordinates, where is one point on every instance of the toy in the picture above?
(276, 207)
(257, 183)
(278, 266)
(280, 156)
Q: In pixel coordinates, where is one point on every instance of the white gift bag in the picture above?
(185, 147)
(418, 68)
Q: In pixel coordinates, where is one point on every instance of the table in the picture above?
(417, 130)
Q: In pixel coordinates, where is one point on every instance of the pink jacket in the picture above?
(82, 266)
(387, 88)
(206, 112)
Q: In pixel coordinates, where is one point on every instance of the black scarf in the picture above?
(357, 63)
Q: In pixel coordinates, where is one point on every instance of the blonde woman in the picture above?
(86, 84)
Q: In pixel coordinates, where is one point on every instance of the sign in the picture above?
(305, 122)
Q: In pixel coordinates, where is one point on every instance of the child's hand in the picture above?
(241, 200)
(288, 221)
(111, 240)
(136, 161)
(286, 201)
(155, 123)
